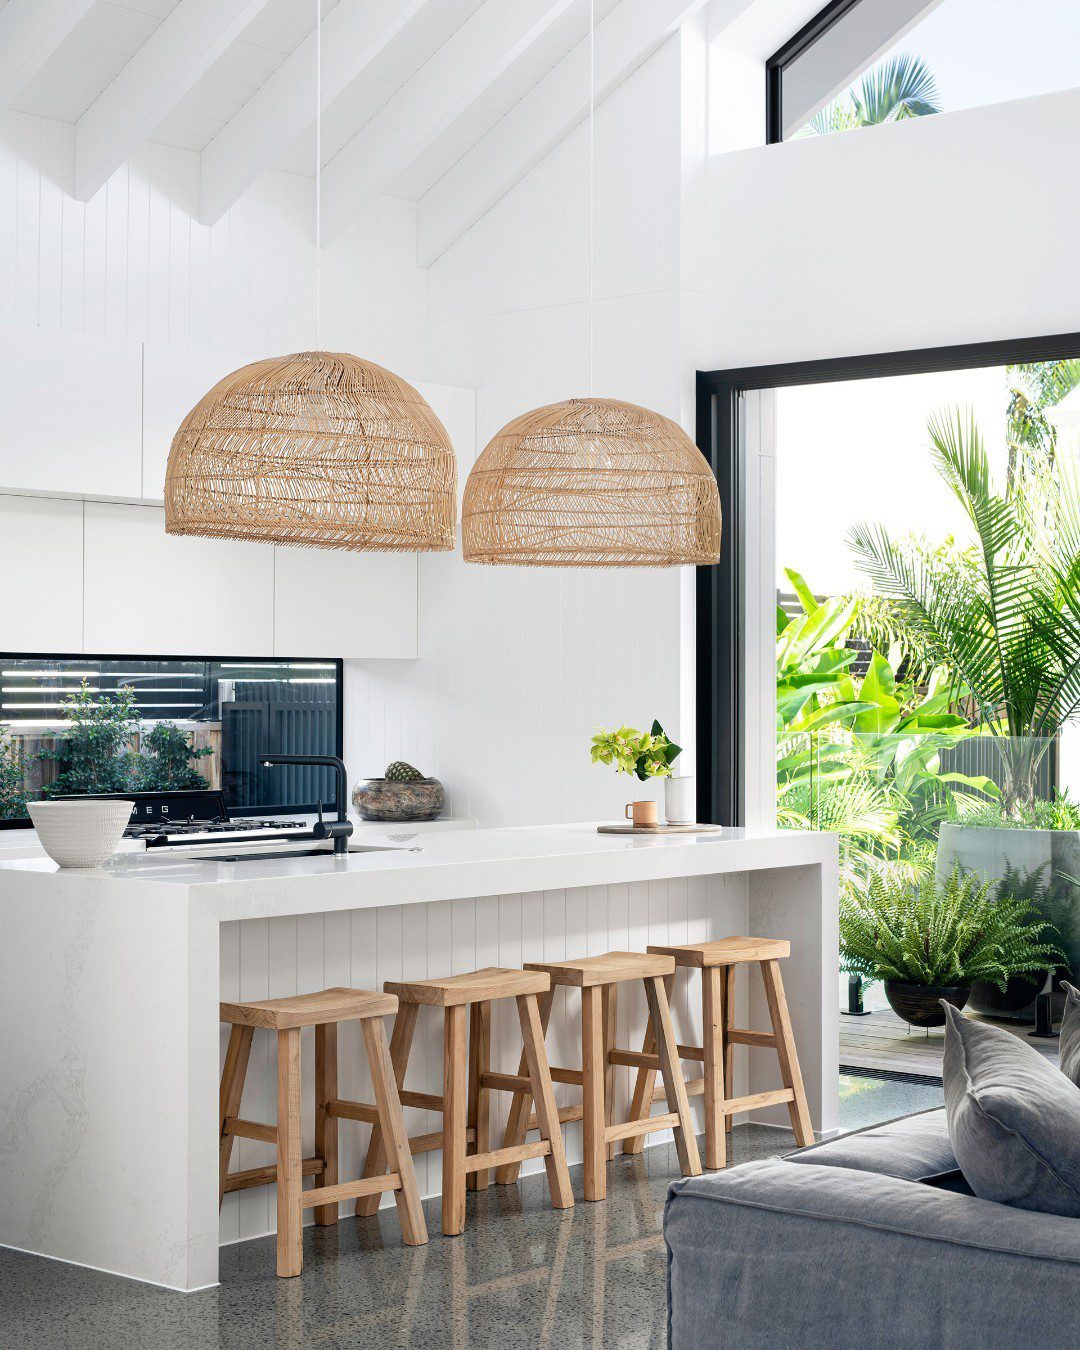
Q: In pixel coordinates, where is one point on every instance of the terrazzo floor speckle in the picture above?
(521, 1275)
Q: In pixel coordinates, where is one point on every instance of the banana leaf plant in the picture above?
(860, 755)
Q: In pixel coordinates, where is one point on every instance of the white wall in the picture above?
(134, 262)
(518, 666)
(928, 232)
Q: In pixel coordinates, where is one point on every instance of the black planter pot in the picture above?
(1016, 1004)
(918, 1004)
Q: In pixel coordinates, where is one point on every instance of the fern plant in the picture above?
(937, 934)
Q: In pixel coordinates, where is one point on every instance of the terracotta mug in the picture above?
(643, 813)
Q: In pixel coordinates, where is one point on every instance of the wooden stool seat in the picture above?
(309, 1010)
(598, 978)
(467, 1158)
(478, 986)
(610, 968)
(717, 961)
(285, 1017)
(731, 951)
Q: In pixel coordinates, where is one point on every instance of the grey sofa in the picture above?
(868, 1241)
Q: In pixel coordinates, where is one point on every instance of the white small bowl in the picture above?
(80, 833)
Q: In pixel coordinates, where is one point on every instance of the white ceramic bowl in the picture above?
(80, 834)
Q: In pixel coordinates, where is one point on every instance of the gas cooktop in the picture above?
(197, 817)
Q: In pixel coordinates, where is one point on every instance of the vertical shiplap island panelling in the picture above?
(264, 958)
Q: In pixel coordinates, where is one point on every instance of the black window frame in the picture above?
(812, 32)
(720, 600)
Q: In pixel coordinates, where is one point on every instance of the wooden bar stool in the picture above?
(598, 978)
(286, 1016)
(717, 962)
(467, 1080)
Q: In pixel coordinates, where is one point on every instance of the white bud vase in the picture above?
(680, 800)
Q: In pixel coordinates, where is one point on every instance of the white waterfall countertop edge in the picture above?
(442, 867)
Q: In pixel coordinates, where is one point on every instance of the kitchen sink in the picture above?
(263, 855)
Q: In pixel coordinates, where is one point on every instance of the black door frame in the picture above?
(720, 600)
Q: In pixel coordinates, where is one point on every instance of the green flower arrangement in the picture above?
(645, 754)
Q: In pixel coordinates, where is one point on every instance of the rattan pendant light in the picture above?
(319, 448)
(591, 482)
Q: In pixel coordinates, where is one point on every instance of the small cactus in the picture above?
(400, 772)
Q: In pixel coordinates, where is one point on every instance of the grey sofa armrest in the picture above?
(774, 1254)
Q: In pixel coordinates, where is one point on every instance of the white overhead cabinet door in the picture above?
(41, 596)
(153, 594)
(71, 419)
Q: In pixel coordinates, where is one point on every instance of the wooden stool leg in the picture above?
(521, 1102)
(479, 1096)
(455, 1114)
(729, 1048)
(398, 1153)
(290, 1160)
(400, 1044)
(645, 1084)
(712, 978)
(547, 1113)
(610, 1007)
(671, 1073)
(788, 1055)
(326, 1125)
(232, 1092)
(594, 1145)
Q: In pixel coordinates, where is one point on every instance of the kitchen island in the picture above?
(110, 981)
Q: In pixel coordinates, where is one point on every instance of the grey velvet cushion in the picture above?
(1069, 1044)
(913, 1148)
(1014, 1118)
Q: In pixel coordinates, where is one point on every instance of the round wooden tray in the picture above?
(659, 829)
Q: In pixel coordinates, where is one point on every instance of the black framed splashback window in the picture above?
(109, 723)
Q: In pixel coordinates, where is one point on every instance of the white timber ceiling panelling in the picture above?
(414, 91)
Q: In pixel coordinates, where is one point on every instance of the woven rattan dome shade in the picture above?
(591, 483)
(319, 449)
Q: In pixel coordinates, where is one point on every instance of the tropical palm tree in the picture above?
(1004, 616)
(893, 90)
(1033, 389)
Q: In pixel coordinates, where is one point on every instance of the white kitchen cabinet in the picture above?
(331, 603)
(71, 413)
(174, 381)
(41, 584)
(153, 594)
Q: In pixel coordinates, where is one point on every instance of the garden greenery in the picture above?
(97, 753)
(935, 934)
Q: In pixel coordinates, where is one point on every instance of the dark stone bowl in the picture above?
(918, 1004)
(379, 799)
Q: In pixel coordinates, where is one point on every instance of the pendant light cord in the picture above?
(318, 170)
(590, 381)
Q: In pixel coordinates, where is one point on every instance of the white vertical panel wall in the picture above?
(518, 666)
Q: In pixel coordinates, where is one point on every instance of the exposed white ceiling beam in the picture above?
(162, 71)
(282, 109)
(30, 31)
(459, 73)
(551, 109)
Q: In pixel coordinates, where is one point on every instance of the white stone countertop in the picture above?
(440, 867)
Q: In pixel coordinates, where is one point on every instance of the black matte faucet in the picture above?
(337, 830)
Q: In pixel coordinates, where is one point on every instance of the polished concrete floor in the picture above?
(522, 1274)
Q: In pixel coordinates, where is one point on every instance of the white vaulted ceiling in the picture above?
(419, 96)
